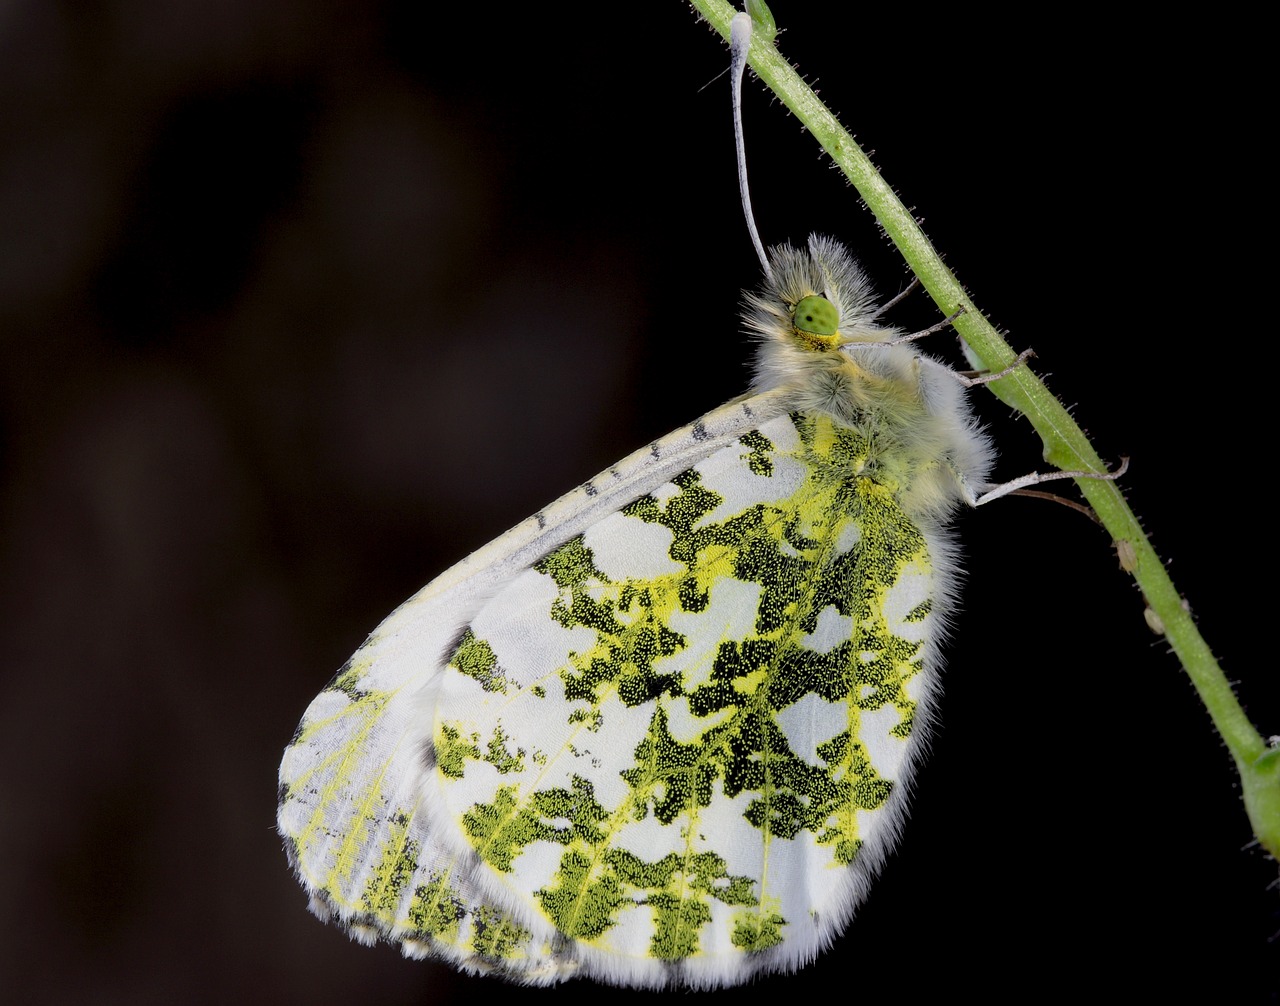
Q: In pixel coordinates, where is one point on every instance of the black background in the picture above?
(300, 303)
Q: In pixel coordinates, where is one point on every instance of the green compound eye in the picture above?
(816, 316)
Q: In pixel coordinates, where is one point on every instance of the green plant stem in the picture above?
(1065, 444)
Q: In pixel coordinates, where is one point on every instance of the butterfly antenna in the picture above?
(889, 305)
(739, 46)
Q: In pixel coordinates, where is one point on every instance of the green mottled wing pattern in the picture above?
(676, 742)
(670, 750)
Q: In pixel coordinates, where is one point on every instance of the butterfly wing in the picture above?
(673, 749)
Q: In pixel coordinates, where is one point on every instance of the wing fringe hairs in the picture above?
(662, 732)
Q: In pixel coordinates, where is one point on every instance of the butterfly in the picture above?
(662, 732)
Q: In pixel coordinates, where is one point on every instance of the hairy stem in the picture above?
(1065, 444)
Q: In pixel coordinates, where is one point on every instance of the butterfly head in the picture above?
(815, 301)
(816, 322)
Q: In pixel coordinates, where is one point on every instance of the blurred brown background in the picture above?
(301, 302)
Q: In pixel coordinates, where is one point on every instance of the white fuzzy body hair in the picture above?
(910, 407)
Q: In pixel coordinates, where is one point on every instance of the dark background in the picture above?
(302, 301)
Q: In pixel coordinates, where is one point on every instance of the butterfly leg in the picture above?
(1034, 478)
(973, 382)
